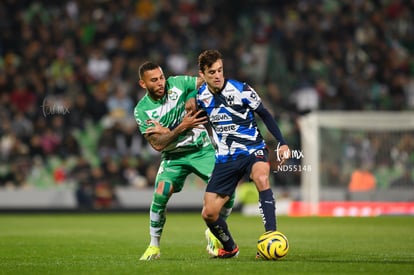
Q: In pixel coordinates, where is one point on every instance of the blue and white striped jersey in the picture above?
(231, 116)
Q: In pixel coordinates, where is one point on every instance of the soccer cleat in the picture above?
(227, 254)
(213, 244)
(258, 255)
(152, 253)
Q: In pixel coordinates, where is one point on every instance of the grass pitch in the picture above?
(112, 244)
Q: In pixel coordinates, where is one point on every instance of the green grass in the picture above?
(112, 244)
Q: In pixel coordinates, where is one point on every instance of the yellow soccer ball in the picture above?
(272, 245)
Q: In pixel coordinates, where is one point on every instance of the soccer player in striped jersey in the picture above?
(241, 149)
(167, 121)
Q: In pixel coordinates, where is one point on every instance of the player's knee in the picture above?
(209, 214)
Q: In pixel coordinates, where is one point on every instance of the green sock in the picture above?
(157, 214)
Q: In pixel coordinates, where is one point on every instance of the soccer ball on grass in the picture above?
(272, 245)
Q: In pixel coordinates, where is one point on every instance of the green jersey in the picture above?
(169, 112)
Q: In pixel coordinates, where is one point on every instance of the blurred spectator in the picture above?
(104, 192)
(7, 141)
(120, 105)
(85, 195)
(362, 180)
(49, 141)
(21, 98)
(106, 144)
(127, 142)
(177, 62)
(59, 73)
(79, 112)
(35, 146)
(22, 126)
(305, 98)
(131, 172)
(111, 170)
(98, 100)
(405, 180)
(98, 65)
(81, 173)
(7, 179)
(20, 170)
(69, 147)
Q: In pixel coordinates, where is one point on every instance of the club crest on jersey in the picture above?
(172, 95)
(230, 99)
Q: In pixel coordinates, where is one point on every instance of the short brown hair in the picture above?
(207, 58)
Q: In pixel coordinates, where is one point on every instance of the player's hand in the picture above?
(194, 119)
(157, 128)
(284, 153)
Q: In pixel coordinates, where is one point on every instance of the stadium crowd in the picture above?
(68, 74)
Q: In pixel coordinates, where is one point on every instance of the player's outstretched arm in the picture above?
(160, 137)
(271, 125)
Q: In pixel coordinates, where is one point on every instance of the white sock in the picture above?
(155, 241)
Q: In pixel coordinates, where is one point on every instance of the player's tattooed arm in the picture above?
(160, 137)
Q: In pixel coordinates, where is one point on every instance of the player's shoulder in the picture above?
(180, 79)
(240, 86)
(203, 92)
(234, 82)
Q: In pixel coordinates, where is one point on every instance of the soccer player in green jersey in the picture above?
(178, 133)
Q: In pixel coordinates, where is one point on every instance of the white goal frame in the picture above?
(310, 125)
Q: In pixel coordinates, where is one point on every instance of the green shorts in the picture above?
(176, 169)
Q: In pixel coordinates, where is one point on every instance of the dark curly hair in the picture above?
(207, 58)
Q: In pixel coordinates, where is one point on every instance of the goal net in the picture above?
(357, 156)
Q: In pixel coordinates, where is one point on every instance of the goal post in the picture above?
(331, 143)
